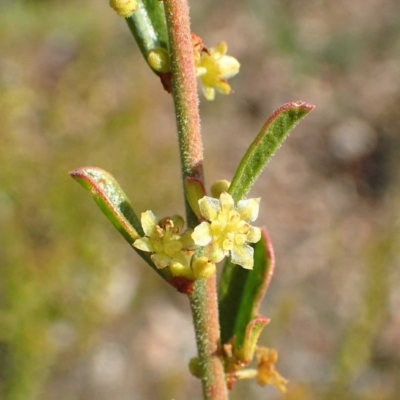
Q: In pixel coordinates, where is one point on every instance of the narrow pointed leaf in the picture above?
(272, 135)
(241, 292)
(111, 199)
(230, 292)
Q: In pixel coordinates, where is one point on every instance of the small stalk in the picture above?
(203, 300)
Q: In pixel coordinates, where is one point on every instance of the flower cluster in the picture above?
(171, 247)
(214, 67)
(226, 232)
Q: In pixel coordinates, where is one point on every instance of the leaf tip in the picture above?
(303, 105)
(299, 105)
(81, 171)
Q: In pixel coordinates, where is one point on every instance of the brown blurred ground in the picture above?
(81, 317)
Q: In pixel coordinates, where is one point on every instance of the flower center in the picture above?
(229, 229)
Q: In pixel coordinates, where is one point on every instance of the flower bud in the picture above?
(158, 59)
(219, 187)
(178, 269)
(194, 367)
(124, 8)
(203, 268)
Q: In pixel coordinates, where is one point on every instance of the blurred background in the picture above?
(81, 316)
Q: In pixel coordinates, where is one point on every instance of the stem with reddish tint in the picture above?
(184, 92)
(204, 306)
(203, 300)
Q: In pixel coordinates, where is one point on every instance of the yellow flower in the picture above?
(214, 67)
(228, 231)
(165, 241)
(266, 372)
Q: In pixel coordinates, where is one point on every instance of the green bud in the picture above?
(219, 187)
(194, 367)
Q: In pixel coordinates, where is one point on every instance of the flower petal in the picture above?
(217, 253)
(202, 234)
(178, 222)
(227, 202)
(209, 92)
(187, 240)
(223, 86)
(219, 50)
(254, 234)
(209, 208)
(201, 71)
(161, 260)
(243, 255)
(144, 244)
(149, 222)
(248, 209)
(229, 66)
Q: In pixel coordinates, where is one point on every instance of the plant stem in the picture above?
(204, 306)
(203, 300)
(184, 92)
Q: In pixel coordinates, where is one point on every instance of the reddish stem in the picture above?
(203, 300)
(184, 87)
(204, 306)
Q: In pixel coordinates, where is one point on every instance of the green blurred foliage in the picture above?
(62, 104)
(74, 91)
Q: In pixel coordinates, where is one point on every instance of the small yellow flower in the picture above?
(214, 67)
(228, 231)
(170, 247)
(266, 372)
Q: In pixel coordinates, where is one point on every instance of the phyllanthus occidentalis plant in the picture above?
(218, 228)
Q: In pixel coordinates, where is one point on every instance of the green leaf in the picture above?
(272, 135)
(148, 26)
(111, 199)
(230, 292)
(245, 351)
(240, 294)
(194, 190)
